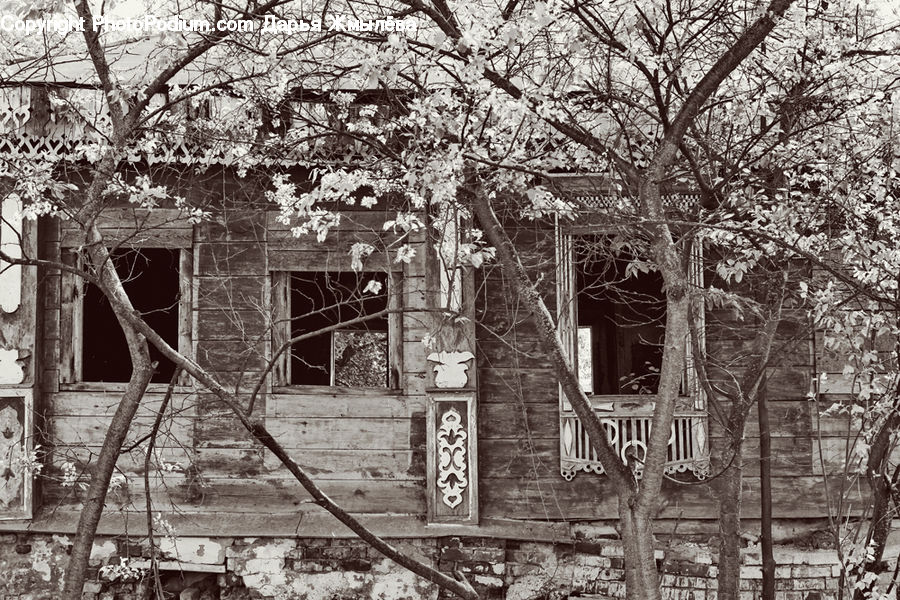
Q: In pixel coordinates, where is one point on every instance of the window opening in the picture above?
(150, 277)
(352, 356)
(597, 304)
(620, 320)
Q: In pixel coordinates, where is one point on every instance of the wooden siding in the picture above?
(135, 227)
(364, 447)
(519, 426)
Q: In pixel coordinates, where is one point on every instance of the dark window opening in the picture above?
(621, 321)
(151, 280)
(355, 355)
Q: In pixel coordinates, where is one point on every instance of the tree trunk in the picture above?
(765, 498)
(103, 470)
(727, 485)
(883, 489)
(641, 575)
(142, 371)
(728, 489)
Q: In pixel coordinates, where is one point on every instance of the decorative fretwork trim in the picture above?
(628, 435)
(681, 202)
(72, 125)
(452, 477)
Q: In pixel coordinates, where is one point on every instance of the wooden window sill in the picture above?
(328, 390)
(109, 387)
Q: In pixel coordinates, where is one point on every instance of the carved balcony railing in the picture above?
(628, 435)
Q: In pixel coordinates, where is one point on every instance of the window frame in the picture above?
(280, 301)
(627, 417)
(567, 318)
(71, 320)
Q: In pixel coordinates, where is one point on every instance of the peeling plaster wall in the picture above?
(31, 567)
(32, 564)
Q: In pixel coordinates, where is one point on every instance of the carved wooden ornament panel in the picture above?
(16, 460)
(451, 452)
(452, 457)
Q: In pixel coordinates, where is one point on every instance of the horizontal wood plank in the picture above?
(231, 355)
(518, 421)
(836, 455)
(136, 218)
(104, 403)
(837, 425)
(313, 525)
(399, 465)
(790, 456)
(510, 385)
(350, 433)
(359, 220)
(130, 463)
(226, 323)
(90, 431)
(240, 464)
(335, 403)
(787, 418)
(336, 241)
(231, 258)
(786, 383)
(129, 238)
(516, 459)
(333, 463)
(234, 292)
(318, 260)
(525, 354)
(591, 497)
(277, 495)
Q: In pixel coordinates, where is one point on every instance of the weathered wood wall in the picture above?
(364, 447)
(519, 453)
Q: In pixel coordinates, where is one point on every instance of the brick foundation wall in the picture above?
(31, 568)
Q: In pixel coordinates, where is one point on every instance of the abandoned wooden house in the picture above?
(464, 452)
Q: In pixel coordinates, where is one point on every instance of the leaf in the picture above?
(372, 287)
